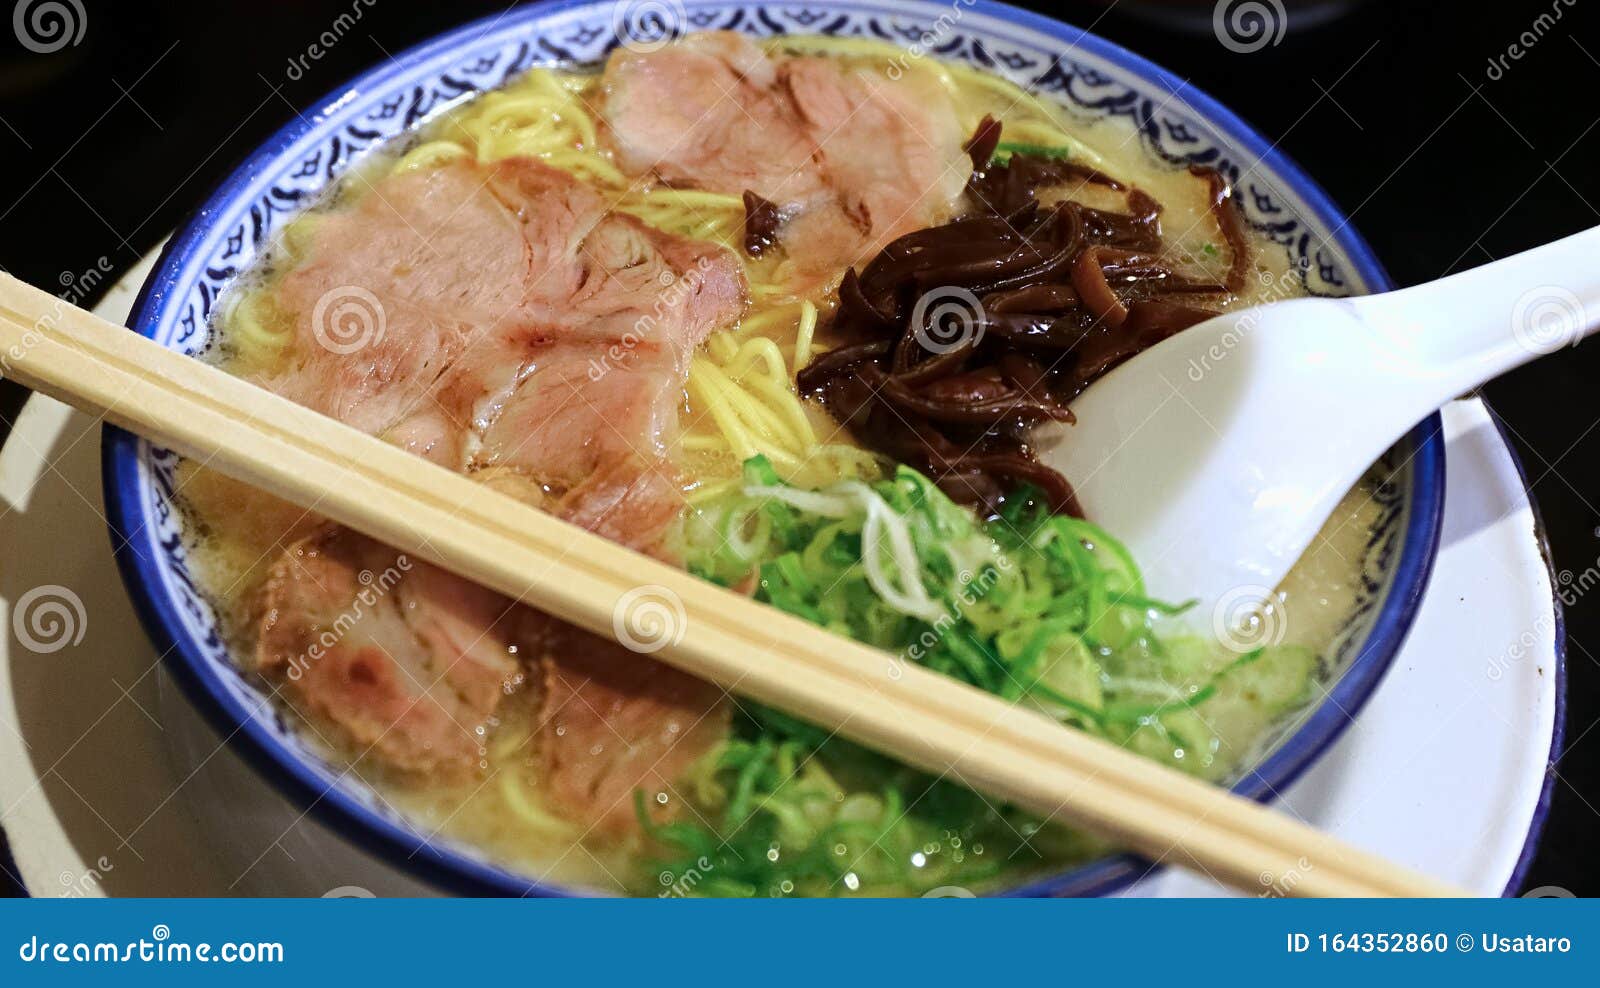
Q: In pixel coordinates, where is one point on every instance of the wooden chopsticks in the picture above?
(920, 717)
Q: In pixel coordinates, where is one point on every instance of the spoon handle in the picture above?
(1476, 325)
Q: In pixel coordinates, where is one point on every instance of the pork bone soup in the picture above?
(788, 314)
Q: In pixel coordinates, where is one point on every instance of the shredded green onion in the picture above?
(1037, 608)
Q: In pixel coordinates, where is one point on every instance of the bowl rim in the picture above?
(457, 871)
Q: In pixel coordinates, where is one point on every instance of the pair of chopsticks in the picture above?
(922, 718)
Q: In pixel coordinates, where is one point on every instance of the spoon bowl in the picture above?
(1218, 454)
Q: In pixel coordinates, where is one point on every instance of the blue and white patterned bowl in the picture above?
(1087, 76)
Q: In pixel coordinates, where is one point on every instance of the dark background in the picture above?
(105, 146)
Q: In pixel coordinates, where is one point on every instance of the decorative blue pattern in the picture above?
(1085, 76)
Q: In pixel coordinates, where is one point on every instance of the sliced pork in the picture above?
(512, 327)
(424, 308)
(393, 292)
(408, 661)
(615, 723)
(851, 156)
(594, 437)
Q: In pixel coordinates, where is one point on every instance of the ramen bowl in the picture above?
(1085, 77)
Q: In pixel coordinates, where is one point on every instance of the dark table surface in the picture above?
(1453, 133)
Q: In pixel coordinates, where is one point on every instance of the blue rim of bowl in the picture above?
(457, 871)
